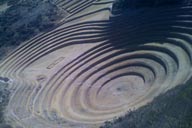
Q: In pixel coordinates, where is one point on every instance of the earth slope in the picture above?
(97, 65)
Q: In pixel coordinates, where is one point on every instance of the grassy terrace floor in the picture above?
(97, 63)
(172, 109)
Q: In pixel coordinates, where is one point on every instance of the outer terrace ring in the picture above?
(118, 64)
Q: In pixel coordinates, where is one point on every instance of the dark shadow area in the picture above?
(158, 22)
(148, 25)
(138, 4)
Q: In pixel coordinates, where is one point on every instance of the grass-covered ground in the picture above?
(25, 19)
(21, 21)
(4, 99)
(170, 110)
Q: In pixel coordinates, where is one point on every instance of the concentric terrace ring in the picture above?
(86, 72)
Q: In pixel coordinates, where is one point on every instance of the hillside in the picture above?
(170, 110)
(22, 20)
(78, 64)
